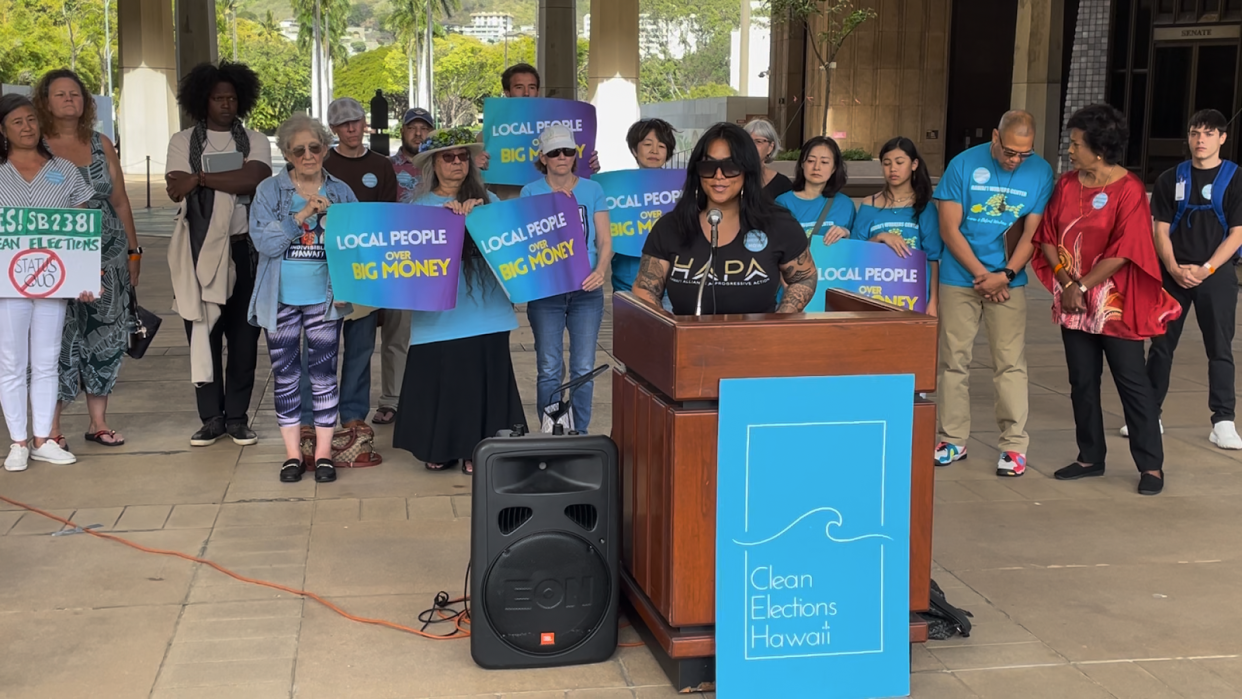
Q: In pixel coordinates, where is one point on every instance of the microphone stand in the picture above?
(711, 262)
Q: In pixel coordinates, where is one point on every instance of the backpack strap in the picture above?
(1227, 170)
(823, 214)
(1183, 179)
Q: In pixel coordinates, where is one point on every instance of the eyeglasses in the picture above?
(1011, 153)
(562, 153)
(761, 141)
(455, 157)
(727, 168)
(314, 148)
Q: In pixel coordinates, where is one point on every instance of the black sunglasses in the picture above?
(562, 153)
(455, 157)
(727, 168)
(314, 148)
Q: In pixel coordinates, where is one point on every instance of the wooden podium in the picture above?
(664, 422)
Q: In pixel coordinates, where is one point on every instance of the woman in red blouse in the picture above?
(1100, 263)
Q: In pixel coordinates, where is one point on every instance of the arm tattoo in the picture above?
(800, 280)
(649, 284)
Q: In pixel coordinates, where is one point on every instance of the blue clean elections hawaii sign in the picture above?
(813, 537)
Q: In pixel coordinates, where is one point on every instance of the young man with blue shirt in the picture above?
(985, 192)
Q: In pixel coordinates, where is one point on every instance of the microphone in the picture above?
(713, 218)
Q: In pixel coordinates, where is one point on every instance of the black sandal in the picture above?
(467, 467)
(431, 466)
(291, 471)
(325, 471)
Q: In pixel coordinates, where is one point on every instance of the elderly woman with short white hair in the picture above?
(292, 291)
(763, 133)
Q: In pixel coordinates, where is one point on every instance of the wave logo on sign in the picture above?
(838, 521)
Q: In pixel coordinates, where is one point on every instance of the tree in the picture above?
(840, 19)
(408, 21)
(269, 28)
(281, 68)
(230, 7)
(380, 69)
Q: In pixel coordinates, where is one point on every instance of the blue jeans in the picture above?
(581, 312)
(355, 372)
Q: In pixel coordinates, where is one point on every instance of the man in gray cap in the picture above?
(371, 177)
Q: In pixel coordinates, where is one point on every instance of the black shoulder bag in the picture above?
(146, 324)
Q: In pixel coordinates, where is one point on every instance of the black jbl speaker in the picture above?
(545, 548)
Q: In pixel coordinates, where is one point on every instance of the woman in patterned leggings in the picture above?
(292, 292)
(96, 334)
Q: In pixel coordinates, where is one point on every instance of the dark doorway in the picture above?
(980, 70)
(1186, 77)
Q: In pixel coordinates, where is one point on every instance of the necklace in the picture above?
(300, 187)
(1083, 188)
(891, 202)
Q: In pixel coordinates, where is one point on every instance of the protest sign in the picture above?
(536, 245)
(869, 269)
(511, 128)
(636, 200)
(396, 256)
(50, 253)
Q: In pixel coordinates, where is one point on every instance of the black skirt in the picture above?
(455, 394)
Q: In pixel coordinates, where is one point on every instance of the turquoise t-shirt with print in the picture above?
(920, 232)
(590, 196)
(992, 199)
(304, 269)
(806, 211)
(482, 307)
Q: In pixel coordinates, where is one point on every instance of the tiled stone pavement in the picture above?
(1078, 589)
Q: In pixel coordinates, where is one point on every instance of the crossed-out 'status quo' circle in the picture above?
(37, 274)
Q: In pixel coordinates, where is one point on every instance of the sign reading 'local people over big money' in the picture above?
(511, 128)
(50, 253)
(536, 245)
(397, 256)
(869, 269)
(636, 200)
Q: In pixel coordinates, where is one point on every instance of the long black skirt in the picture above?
(455, 394)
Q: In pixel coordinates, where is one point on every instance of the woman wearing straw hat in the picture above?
(582, 311)
(459, 386)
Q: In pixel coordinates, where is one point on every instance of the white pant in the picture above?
(27, 324)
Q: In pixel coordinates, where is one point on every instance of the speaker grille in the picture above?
(511, 518)
(585, 516)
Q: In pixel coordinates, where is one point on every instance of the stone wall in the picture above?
(1088, 75)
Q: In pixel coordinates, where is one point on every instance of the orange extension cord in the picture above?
(459, 619)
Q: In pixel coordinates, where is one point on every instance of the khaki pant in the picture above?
(960, 312)
(394, 344)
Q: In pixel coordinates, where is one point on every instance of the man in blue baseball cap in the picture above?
(416, 125)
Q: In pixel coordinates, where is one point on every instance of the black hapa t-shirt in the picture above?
(746, 272)
(1194, 244)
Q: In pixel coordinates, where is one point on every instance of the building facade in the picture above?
(942, 72)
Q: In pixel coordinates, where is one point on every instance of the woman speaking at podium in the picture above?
(726, 228)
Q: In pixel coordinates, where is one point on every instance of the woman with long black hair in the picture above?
(758, 242)
(903, 215)
(459, 385)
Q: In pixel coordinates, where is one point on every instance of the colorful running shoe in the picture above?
(947, 453)
(1011, 465)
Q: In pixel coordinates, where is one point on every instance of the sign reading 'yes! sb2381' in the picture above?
(49, 253)
(813, 537)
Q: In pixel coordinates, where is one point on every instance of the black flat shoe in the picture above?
(291, 471)
(1076, 470)
(325, 472)
(1151, 485)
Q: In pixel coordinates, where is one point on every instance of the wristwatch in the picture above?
(1083, 288)
(1009, 274)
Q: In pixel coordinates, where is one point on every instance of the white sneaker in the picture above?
(17, 459)
(53, 454)
(1125, 430)
(1225, 435)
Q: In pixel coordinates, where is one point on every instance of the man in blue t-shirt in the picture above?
(989, 196)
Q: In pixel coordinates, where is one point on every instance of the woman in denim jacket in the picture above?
(292, 291)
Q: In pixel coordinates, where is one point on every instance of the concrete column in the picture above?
(1037, 70)
(196, 38)
(148, 107)
(614, 78)
(786, 88)
(557, 53)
